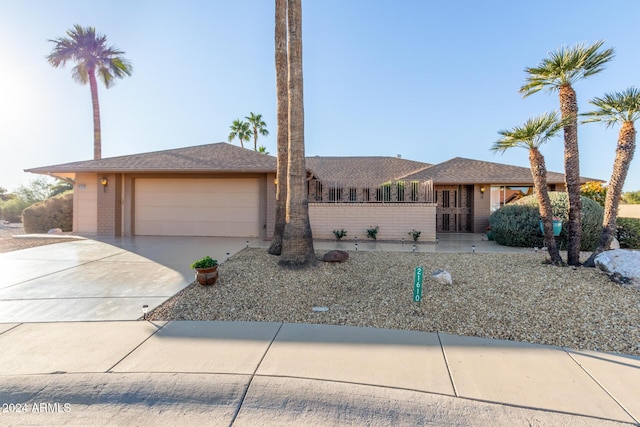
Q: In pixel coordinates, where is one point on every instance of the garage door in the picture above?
(197, 207)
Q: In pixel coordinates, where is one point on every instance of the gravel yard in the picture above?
(504, 296)
(8, 243)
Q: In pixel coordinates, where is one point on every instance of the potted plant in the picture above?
(206, 270)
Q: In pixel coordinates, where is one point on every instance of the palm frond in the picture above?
(566, 65)
(615, 108)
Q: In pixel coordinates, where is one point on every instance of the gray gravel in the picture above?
(503, 296)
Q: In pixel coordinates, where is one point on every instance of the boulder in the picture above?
(622, 264)
(55, 231)
(335, 256)
(442, 277)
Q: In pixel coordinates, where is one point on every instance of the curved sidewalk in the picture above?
(248, 373)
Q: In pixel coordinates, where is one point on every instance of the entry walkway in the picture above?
(245, 374)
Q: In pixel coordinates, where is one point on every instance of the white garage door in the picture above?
(197, 207)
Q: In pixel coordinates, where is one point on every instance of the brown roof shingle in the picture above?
(362, 168)
(468, 171)
(219, 157)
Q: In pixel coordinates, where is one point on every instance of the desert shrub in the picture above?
(518, 224)
(56, 212)
(628, 232)
(11, 209)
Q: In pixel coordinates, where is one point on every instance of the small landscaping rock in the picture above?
(442, 277)
(335, 256)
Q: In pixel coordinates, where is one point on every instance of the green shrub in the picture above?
(56, 212)
(11, 210)
(518, 224)
(628, 232)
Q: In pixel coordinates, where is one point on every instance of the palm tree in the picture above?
(535, 132)
(241, 130)
(283, 125)
(297, 242)
(616, 108)
(558, 72)
(90, 53)
(258, 126)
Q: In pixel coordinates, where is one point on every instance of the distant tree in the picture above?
(3, 194)
(241, 130)
(619, 108)
(262, 150)
(594, 190)
(92, 56)
(36, 190)
(535, 132)
(557, 73)
(258, 126)
(631, 197)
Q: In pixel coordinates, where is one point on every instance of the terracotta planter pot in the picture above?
(207, 276)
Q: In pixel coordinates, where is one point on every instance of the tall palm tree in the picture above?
(558, 73)
(283, 125)
(89, 51)
(241, 130)
(535, 132)
(258, 126)
(616, 108)
(297, 242)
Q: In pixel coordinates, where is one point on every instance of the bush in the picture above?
(56, 212)
(11, 210)
(518, 224)
(628, 232)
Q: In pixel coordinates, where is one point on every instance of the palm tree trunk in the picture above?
(255, 139)
(297, 243)
(97, 138)
(624, 154)
(283, 124)
(569, 111)
(539, 173)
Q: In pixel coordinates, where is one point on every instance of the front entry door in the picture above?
(454, 211)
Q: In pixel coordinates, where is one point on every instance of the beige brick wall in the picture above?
(109, 206)
(271, 206)
(395, 220)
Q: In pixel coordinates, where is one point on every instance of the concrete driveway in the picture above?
(106, 279)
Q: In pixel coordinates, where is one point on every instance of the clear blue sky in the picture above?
(428, 80)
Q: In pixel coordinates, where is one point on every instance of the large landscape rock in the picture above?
(622, 264)
(335, 256)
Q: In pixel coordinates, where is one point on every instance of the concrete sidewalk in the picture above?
(246, 373)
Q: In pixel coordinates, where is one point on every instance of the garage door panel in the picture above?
(197, 207)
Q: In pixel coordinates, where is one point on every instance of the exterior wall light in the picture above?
(482, 189)
(104, 183)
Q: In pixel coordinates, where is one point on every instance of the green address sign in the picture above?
(417, 284)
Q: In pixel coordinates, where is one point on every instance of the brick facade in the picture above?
(110, 205)
(395, 220)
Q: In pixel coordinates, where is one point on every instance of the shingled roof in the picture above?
(362, 168)
(218, 157)
(468, 171)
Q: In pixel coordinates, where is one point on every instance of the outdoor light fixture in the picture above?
(403, 242)
(247, 243)
(482, 189)
(414, 248)
(145, 308)
(227, 256)
(473, 248)
(104, 183)
(356, 246)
